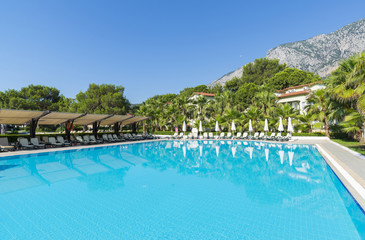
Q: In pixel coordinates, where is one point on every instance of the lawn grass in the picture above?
(353, 145)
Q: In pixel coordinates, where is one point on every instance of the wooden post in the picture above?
(95, 129)
(68, 130)
(134, 128)
(116, 128)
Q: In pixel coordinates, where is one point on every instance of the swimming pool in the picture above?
(176, 190)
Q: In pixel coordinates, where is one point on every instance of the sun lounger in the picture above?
(24, 144)
(111, 139)
(221, 136)
(80, 140)
(137, 137)
(284, 138)
(95, 140)
(229, 135)
(210, 135)
(175, 136)
(244, 135)
(261, 136)
(52, 141)
(5, 146)
(115, 137)
(278, 136)
(238, 135)
(255, 136)
(106, 139)
(36, 144)
(61, 140)
(205, 135)
(87, 139)
(271, 137)
(195, 135)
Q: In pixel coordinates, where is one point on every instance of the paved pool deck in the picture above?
(348, 165)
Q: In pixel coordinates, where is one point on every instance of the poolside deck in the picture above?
(342, 160)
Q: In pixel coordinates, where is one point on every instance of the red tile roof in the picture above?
(205, 94)
(299, 86)
(294, 93)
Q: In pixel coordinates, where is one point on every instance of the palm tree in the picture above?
(320, 106)
(265, 101)
(352, 124)
(307, 120)
(255, 114)
(350, 81)
(285, 111)
(230, 115)
(200, 103)
(183, 103)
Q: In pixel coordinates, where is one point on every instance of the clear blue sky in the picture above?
(151, 47)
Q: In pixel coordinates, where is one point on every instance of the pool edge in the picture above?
(356, 190)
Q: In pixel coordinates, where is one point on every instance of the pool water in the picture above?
(176, 190)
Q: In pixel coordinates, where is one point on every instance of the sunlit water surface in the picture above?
(176, 190)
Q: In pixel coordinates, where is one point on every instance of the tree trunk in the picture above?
(309, 128)
(326, 127)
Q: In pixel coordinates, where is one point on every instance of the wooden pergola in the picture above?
(34, 118)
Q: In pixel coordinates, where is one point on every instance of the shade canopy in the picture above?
(134, 119)
(19, 117)
(115, 119)
(55, 118)
(91, 118)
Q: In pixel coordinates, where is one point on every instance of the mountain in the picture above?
(320, 54)
(237, 73)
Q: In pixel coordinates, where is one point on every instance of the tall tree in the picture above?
(103, 98)
(34, 97)
(350, 81)
(320, 106)
(291, 77)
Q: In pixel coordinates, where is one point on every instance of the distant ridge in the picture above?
(320, 54)
(237, 73)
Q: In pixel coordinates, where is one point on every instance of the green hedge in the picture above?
(294, 134)
(318, 134)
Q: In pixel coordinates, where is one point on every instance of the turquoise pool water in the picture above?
(176, 190)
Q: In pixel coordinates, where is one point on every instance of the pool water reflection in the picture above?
(176, 190)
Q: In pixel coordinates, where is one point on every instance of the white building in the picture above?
(208, 96)
(297, 96)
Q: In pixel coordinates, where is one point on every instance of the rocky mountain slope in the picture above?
(320, 54)
(237, 73)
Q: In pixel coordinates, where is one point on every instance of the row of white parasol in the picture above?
(250, 152)
(250, 128)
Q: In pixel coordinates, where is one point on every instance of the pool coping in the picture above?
(346, 176)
